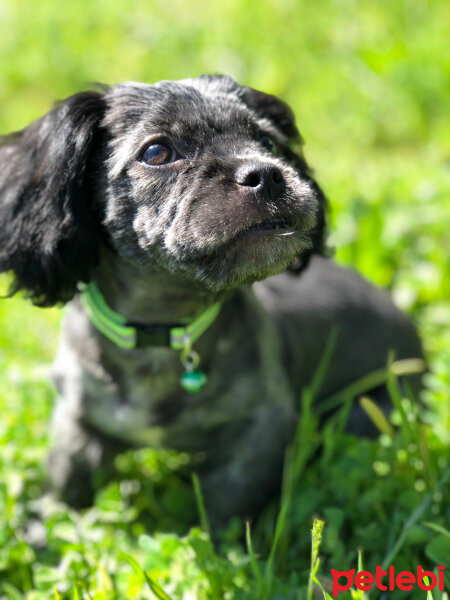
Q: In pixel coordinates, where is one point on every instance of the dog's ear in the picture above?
(281, 115)
(48, 233)
(274, 109)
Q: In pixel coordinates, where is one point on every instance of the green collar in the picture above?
(130, 335)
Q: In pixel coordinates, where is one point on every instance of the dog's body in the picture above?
(170, 198)
(259, 354)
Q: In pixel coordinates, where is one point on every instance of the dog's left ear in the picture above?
(48, 232)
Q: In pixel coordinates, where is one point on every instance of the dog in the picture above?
(182, 225)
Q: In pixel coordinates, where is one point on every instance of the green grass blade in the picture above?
(13, 592)
(396, 397)
(204, 522)
(429, 594)
(360, 560)
(75, 594)
(437, 528)
(363, 595)
(376, 415)
(296, 459)
(326, 595)
(368, 382)
(253, 560)
(152, 584)
(279, 529)
(413, 518)
(325, 360)
(316, 540)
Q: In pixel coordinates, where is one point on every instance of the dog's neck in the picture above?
(149, 296)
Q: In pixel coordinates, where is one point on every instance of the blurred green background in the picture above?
(368, 82)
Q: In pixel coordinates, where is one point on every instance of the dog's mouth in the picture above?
(278, 225)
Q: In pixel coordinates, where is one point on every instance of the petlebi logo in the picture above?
(387, 580)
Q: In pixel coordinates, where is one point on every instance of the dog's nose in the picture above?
(261, 177)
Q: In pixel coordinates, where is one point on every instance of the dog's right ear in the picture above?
(49, 235)
(283, 118)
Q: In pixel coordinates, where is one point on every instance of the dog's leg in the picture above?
(80, 460)
(71, 464)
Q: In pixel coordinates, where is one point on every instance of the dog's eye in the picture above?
(267, 142)
(159, 154)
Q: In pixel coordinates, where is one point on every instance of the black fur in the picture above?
(52, 188)
(49, 232)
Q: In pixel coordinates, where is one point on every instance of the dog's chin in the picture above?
(252, 255)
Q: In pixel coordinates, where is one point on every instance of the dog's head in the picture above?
(201, 177)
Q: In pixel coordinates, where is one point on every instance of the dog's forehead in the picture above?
(183, 108)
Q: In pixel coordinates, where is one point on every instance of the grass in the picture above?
(368, 83)
(393, 504)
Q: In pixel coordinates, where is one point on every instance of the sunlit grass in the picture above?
(368, 82)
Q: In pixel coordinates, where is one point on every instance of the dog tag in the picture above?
(193, 381)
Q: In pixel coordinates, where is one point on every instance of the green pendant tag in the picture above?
(193, 381)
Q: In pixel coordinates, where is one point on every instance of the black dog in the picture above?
(170, 199)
